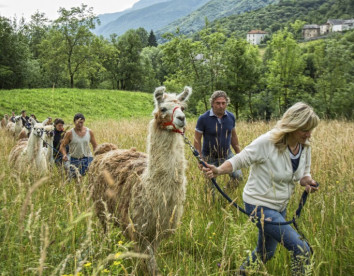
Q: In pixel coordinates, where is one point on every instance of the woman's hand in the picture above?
(65, 157)
(311, 185)
(211, 171)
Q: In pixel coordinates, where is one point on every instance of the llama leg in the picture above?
(151, 261)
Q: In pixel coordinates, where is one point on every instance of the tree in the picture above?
(149, 80)
(129, 67)
(70, 38)
(285, 69)
(334, 62)
(35, 32)
(14, 54)
(152, 39)
(110, 60)
(297, 28)
(144, 37)
(242, 72)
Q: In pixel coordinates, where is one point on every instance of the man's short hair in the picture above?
(23, 111)
(79, 116)
(218, 94)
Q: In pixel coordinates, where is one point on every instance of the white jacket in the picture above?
(271, 181)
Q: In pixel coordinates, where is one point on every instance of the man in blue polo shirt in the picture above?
(217, 127)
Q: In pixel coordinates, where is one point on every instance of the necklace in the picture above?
(295, 149)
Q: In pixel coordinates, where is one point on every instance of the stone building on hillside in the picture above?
(339, 25)
(256, 37)
(332, 25)
(310, 31)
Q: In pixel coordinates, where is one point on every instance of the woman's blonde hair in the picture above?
(300, 116)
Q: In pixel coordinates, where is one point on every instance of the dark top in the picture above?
(295, 159)
(24, 120)
(58, 136)
(216, 133)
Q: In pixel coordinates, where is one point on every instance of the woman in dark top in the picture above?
(59, 133)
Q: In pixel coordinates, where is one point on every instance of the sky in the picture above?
(26, 8)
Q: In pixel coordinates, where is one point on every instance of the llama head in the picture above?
(169, 108)
(32, 121)
(38, 130)
(48, 133)
(17, 119)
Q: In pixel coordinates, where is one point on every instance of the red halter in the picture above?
(171, 123)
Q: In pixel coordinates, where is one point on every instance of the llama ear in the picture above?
(158, 94)
(185, 94)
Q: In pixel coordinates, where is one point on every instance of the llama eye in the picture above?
(182, 108)
(164, 109)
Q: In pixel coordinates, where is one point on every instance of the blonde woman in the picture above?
(278, 159)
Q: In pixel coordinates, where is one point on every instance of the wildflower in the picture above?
(105, 270)
(87, 264)
(337, 181)
(117, 255)
(116, 263)
(214, 233)
(120, 242)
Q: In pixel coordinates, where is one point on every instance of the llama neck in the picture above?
(165, 157)
(50, 150)
(18, 126)
(34, 147)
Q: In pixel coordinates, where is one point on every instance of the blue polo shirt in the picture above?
(216, 133)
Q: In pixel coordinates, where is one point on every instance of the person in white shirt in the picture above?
(79, 139)
(278, 160)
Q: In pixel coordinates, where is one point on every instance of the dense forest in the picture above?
(275, 17)
(261, 82)
(212, 10)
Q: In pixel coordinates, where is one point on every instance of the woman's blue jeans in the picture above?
(270, 235)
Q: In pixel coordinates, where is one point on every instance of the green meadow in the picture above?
(64, 103)
(48, 225)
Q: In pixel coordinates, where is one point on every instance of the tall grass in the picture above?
(48, 227)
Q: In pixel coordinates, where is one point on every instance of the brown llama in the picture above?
(144, 193)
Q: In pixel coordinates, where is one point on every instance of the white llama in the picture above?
(18, 126)
(4, 121)
(28, 154)
(48, 138)
(145, 193)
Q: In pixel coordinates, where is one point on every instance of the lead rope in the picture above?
(297, 213)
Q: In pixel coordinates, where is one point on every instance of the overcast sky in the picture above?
(25, 8)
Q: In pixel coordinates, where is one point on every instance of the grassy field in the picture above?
(48, 227)
(64, 103)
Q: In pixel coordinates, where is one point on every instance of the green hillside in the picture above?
(274, 17)
(64, 103)
(213, 10)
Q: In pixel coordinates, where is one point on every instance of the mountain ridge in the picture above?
(150, 17)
